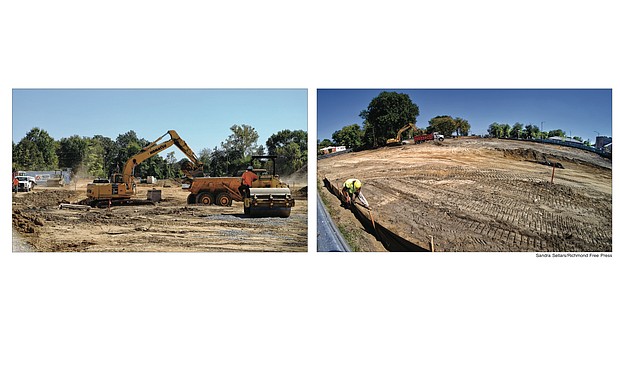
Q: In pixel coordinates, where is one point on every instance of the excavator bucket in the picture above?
(268, 202)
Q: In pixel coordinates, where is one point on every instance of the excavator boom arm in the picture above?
(398, 137)
(403, 129)
(155, 148)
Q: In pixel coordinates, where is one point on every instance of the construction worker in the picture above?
(352, 189)
(246, 181)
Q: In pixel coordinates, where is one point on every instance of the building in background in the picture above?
(602, 141)
(332, 149)
(565, 139)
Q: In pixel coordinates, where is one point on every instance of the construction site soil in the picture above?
(475, 194)
(168, 226)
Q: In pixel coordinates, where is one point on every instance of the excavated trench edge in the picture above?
(390, 240)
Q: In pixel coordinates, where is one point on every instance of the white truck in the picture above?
(26, 183)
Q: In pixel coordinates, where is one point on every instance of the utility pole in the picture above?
(597, 135)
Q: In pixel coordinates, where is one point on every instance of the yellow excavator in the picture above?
(398, 139)
(121, 188)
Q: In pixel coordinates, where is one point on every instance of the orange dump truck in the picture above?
(218, 190)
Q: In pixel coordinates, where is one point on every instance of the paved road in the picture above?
(329, 238)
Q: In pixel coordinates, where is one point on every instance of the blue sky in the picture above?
(577, 111)
(202, 117)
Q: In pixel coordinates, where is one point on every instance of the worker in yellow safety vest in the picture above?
(352, 189)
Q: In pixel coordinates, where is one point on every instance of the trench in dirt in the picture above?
(390, 240)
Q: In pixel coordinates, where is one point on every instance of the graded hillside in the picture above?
(168, 226)
(473, 194)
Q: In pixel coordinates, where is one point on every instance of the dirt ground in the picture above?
(169, 226)
(474, 194)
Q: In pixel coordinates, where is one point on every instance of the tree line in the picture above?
(517, 130)
(385, 115)
(100, 156)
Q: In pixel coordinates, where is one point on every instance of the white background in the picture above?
(304, 308)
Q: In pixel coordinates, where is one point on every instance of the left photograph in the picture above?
(160, 170)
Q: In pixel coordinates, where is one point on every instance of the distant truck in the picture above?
(332, 149)
(428, 137)
(26, 183)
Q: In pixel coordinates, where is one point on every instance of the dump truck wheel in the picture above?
(223, 199)
(205, 198)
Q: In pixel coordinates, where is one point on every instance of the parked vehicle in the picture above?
(428, 137)
(26, 183)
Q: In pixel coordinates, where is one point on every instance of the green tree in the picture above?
(239, 147)
(72, 152)
(155, 166)
(171, 161)
(505, 130)
(243, 139)
(108, 158)
(290, 158)
(445, 125)
(261, 150)
(385, 115)
(558, 132)
(462, 126)
(93, 161)
(284, 137)
(14, 165)
(219, 163)
(578, 138)
(516, 130)
(292, 149)
(531, 131)
(494, 129)
(324, 143)
(205, 156)
(26, 156)
(128, 144)
(36, 151)
(349, 136)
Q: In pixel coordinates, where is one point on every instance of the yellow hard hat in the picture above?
(357, 184)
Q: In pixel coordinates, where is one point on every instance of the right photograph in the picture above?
(464, 170)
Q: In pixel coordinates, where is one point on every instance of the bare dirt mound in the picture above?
(301, 192)
(536, 156)
(44, 198)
